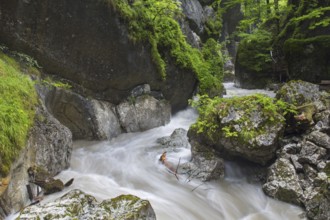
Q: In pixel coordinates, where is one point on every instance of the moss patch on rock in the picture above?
(17, 109)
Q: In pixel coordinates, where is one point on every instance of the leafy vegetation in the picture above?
(17, 102)
(155, 22)
(254, 51)
(213, 111)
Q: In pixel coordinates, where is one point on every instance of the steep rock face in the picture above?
(49, 145)
(86, 43)
(79, 205)
(194, 13)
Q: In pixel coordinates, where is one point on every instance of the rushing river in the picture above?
(129, 164)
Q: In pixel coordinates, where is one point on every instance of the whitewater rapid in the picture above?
(129, 164)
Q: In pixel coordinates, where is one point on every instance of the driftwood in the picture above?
(169, 166)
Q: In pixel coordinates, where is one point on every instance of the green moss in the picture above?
(17, 102)
(155, 22)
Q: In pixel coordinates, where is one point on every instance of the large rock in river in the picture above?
(78, 205)
(87, 118)
(247, 127)
(87, 43)
(142, 113)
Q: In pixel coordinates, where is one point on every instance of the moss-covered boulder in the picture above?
(248, 127)
(78, 205)
(299, 92)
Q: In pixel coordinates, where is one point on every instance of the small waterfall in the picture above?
(129, 164)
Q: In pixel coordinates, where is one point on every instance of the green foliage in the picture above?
(254, 50)
(212, 111)
(211, 52)
(155, 22)
(17, 101)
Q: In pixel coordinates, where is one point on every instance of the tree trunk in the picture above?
(268, 8)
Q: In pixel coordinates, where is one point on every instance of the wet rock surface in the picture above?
(77, 204)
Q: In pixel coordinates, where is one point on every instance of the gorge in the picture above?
(99, 90)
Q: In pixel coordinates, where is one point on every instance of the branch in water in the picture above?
(170, 168)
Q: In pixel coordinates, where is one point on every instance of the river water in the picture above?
(129, 164)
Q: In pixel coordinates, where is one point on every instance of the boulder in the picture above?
(177, 139)
(320, 139)
(317, 207)
(322, 121)
(49, 145)
(311, 154)
(86, 118)
(142, 113)
(78, 205)
(87, 43)
(283, 182)
(241, 127)
(299, 92)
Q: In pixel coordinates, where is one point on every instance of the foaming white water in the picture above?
(129, 165)
(235, 91)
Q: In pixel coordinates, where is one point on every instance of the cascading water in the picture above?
(129, 164)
